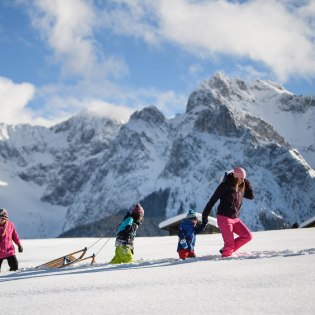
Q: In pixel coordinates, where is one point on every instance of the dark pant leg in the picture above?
(13, 263)
(1, 260)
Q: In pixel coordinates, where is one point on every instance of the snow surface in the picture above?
(273, 274)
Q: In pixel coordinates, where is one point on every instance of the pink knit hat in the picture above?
(239, 173)
(138, 210)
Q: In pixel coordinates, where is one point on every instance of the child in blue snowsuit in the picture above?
(125, 237)
(187, 235)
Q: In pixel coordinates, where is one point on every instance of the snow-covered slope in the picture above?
(89, 168)
(37, 162)
(273, 274)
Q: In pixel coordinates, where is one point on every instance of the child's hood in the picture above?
(187, 222)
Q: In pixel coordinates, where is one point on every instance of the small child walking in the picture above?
(125, 237)
(187, 234)
(7, 235)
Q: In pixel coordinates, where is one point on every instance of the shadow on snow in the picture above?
(28, 273)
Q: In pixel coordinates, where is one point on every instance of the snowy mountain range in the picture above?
(89, 168)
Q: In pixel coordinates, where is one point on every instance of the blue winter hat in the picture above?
(191, 215)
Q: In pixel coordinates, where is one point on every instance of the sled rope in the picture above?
(107, 234)
(110, 234)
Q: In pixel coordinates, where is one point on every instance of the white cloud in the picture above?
(13, 100)
(263, 31)
(135, 18)
(60, 103)
(278, 34)
(68, 28)
(66, 106)
(14, 106)
(104, 109)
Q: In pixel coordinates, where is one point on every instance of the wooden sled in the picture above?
(67, 260)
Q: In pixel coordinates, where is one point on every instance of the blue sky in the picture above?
(117, 56)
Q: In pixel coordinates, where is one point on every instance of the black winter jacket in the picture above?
(230, 200)
(127, 231)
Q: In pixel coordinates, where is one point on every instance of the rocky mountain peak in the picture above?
(217, 91)
(150, 115)
(225, 86)
(264, 85)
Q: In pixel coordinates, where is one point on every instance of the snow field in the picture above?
(273, 274)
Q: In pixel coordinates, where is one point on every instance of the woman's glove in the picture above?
(183, 243)
(20, 249)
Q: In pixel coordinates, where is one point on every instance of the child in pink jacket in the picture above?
(7, 235)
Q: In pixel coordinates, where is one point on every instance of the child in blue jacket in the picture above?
(187, 234)
(126, 234)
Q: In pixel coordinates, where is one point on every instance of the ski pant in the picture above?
(12, 262)
(123, 255)
(229, 226)
(186, 253)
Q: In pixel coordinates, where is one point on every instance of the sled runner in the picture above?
(67, 260)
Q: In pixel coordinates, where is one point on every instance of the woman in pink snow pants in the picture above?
(231, 192)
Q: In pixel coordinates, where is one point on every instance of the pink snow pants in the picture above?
(229, 226)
